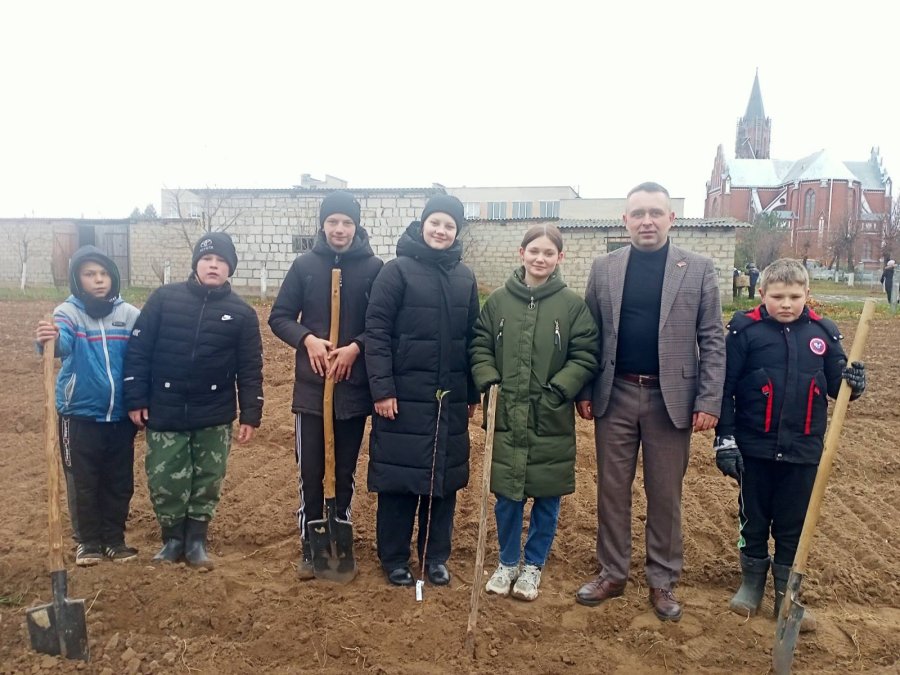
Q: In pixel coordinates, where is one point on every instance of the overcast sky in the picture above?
(104, 104)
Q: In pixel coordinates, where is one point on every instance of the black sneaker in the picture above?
(120, 552)
(88, 555)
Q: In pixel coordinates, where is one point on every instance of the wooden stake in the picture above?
(482, 524)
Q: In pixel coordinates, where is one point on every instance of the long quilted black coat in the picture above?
(419, 324)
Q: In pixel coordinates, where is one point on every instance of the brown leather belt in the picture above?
(640, 380)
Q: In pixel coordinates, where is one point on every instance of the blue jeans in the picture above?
(541, 529)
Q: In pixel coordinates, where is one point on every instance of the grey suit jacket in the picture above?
(691, 334)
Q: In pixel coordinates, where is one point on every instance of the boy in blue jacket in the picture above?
(96, 437)
(783, 362)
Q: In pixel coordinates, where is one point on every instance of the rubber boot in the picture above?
(305, 569)
(749, 596)
(195, 544)
(173, 544)
(781, 574)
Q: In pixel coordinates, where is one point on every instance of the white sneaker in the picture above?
(527, 584)
(502, 580)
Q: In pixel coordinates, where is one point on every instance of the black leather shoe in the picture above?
(400, 576)
(437, 574)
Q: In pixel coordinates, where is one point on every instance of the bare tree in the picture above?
(21, 237)
(762, 243)
(890, 232)
(844, 240)
(211, 214)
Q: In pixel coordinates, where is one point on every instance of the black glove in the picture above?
(728, 457)
(487, 385)
(855, 374)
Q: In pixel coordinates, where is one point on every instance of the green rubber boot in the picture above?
(749, 596)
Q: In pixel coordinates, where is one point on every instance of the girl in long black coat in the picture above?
(419, 323)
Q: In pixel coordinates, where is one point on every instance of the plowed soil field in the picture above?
(251, 614)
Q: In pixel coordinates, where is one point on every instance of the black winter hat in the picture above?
(339, 202)
(220, 244)
(446, 204)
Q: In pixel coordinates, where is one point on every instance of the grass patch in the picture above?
(13, 600)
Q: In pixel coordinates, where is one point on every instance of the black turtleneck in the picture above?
(638, 342)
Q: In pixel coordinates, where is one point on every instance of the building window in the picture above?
(550, 209)
(867, 249)
(612, 243)
(521, 209)
(473, 210)
(809, 207)
(302, 243)
(496, 210)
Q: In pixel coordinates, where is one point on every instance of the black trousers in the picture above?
(98, 463)
(309, 451)
(773, 499)
(394, 528)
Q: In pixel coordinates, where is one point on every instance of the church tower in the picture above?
(754, 129)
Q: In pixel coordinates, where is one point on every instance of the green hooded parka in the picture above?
(541, 345)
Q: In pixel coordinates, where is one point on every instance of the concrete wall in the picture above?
(15, 235)
(491, 249)
(264, 224)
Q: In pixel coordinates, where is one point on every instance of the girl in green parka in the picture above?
(537, 339)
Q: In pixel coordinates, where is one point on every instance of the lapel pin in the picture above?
(681, 263)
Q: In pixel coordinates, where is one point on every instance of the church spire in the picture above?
(754, 129)
(755, 108)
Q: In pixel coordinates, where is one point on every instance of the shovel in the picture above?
(482, 523)
(788, 628)
(331, 539)
(59, 627)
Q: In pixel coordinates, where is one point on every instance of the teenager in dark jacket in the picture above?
(783, 362)
(96, 438)
(537, 339)
(306, 293)
(419, 324)
(193, 342)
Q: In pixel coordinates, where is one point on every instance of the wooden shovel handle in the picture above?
(51, 440)
(832, 437)
(328, 400)
(491, 415)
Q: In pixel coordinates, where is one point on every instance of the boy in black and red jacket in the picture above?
(783, 361)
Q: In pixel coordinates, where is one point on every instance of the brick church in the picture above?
(824, 201)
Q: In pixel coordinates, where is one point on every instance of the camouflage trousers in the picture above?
(185, 470)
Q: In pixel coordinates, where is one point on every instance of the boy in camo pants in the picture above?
(193, 342)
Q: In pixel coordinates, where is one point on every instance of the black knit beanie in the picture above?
(339, 202)
(446, 204)
(220, 244)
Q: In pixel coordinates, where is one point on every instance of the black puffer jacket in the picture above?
(306, 292)
(419, 324)
(777, 380)
(188, 348)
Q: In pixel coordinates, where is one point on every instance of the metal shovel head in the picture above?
(59, 628)
(788, 629)
(331, 541)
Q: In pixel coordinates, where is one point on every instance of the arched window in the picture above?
(809, 207)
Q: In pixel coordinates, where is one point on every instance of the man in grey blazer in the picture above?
(661, 377)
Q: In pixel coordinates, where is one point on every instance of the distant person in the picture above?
(661, 372)
(419, 324)
(536, 338)
(887, 278)
(96, 438)
(735, 277)
(194, 357)
(753, 274)
(301, 316)
(783, 362)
